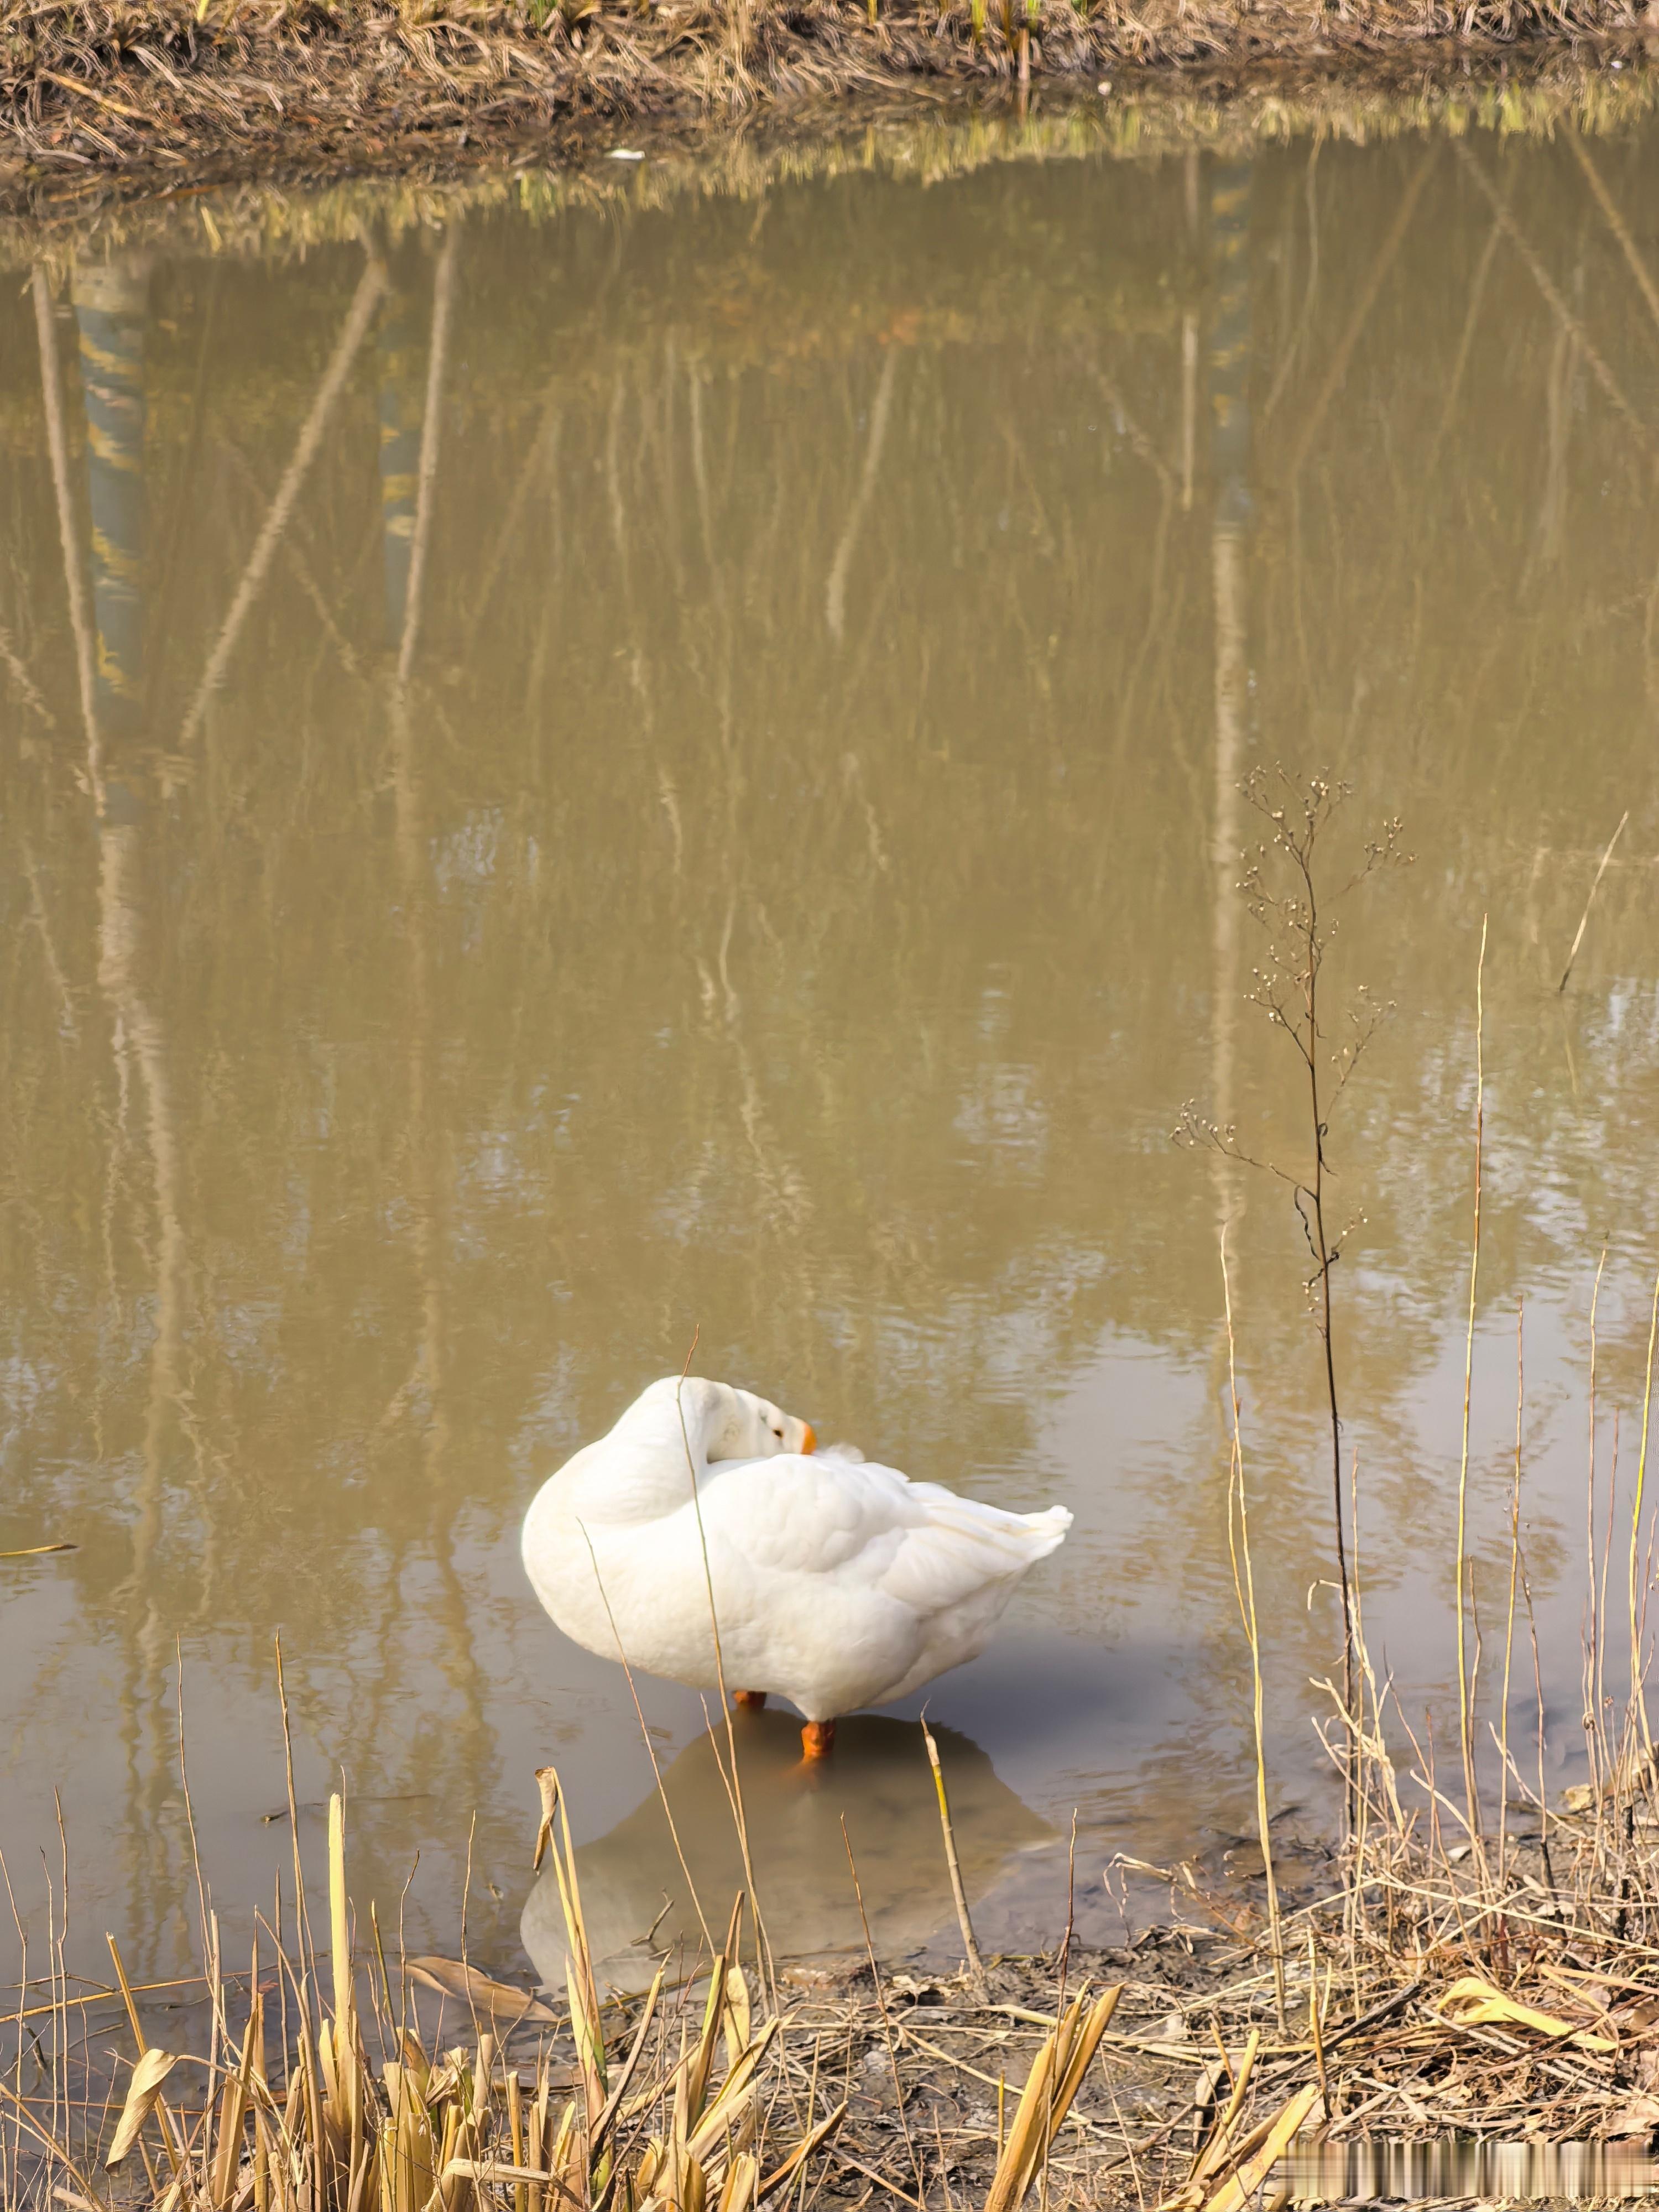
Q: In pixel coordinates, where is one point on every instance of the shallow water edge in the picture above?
(463, 92)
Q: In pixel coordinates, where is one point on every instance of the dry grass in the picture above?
(317, 2090)
(389, 181)
(1434, 1980)
(1435, 1983)
(1427, 1998)
(97, 85)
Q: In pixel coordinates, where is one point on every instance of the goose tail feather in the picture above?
(1047, 1531)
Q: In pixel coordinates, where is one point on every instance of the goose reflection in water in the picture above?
(635, 1898)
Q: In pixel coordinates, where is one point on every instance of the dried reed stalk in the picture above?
(1464, 1708)
(1238, 1548)
(958, 1894)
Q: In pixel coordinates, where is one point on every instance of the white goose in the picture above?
(837, 1583)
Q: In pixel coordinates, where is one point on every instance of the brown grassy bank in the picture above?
(273, 185)
(173, 90)
(1430, 2013)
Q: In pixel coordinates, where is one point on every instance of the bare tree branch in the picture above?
(1298, 924)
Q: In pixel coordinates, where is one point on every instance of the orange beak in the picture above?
(809, 1441)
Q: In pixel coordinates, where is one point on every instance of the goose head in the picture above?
(732, 1423)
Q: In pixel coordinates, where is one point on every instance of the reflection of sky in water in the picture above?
(784, 902)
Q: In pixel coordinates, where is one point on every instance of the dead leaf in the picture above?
(735, 2019)
(143, 2090)
(547, 1781)
(484, 2169)
(1472, 2003)
(507, 2005)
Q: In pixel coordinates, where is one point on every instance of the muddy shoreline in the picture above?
(171, 98)
(1252, 2046)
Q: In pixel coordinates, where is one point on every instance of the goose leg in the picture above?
(818, 1738)
(751, 1701)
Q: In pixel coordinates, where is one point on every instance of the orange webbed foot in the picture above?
(818, 1738)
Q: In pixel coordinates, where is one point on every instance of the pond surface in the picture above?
(580, 776)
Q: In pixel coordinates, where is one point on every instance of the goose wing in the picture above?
(868, 1524)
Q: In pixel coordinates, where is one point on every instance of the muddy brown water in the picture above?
(574, 779)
